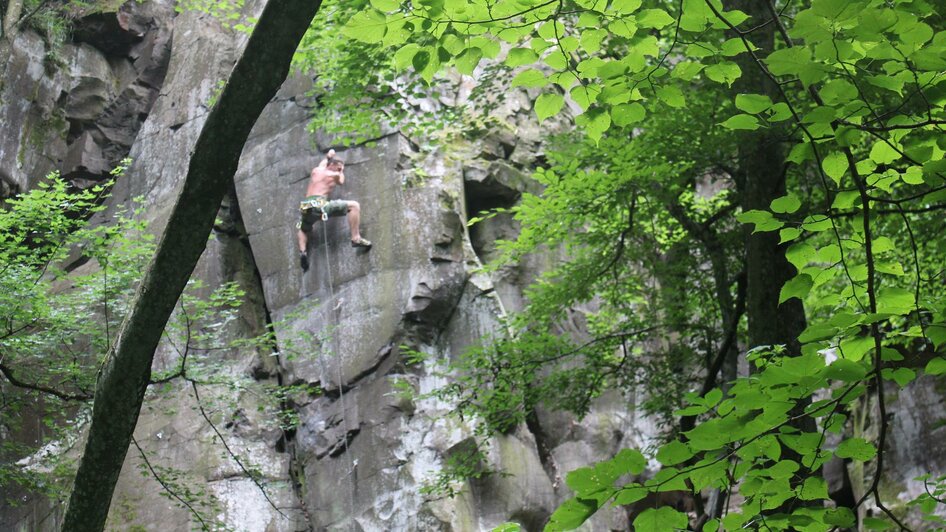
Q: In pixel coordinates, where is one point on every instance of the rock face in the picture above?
(77, 107)
(365, 447)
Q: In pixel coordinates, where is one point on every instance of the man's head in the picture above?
(336, 164)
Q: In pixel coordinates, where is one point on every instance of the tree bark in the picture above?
(124, 375)
(10, 19)
(8, 28)
(762, 169)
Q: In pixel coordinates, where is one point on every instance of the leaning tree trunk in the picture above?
(10, 19)
(8, 30)
(124, 376)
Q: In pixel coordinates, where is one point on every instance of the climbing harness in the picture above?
(317, 203)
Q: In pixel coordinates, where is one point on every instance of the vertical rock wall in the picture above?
(77, 107)
(368, 443)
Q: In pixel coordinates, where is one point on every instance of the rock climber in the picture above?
(322, 180)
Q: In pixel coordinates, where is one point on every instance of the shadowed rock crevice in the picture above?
(498, 186)
(543, 446)
(81, 113)
(269, 363)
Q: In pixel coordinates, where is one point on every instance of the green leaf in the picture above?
(902, 376)
(629, 461)
(595, 122)
(834, 166)
(686, 70)
(763, 220)
(521, 56)
(572, 513)
(585, 95)
(405, 55)
(778, 112)
(713, 397)
(386, 5)
(466, 62)
(873, 523)
(816, 223)
(795, 61)
(842, 517)
(508, 527)
(798, 286)
(895, 300)
(733, 47)
(937, 366)
(530, 78)
(855, 348)
(788, 234)
(741, 122)
(591, 39)
(845, 199)
(672, 95)
(654, 18)
(813, 489)
(726, 72)
(753, 103)
(660, 520)
(673, 453)
(883, 153)
(800, 153)
(625, 7)
(786, 204)
(548, 104)
(627, 113)
(367, 26)
(856, 449)
(845, 370)
(711, 526)
(630, 494)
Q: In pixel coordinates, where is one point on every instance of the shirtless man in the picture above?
(322, 181)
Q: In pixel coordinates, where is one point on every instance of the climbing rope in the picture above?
(338, 365)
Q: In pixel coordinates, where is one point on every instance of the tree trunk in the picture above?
(126, 371)
(762, 169)
(10, 18)
(8, 30)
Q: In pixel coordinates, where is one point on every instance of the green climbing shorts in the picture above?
(311, 209)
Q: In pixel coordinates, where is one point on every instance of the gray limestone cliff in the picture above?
(137, 82)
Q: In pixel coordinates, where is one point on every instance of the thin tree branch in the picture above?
(172, 493)
(233, 455)
(8, 373)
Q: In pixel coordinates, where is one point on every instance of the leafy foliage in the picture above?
(58, 314)
(67, 272)
(858, 97)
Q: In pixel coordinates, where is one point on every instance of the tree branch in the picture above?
(8, 373)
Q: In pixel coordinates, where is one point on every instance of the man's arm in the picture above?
(329, 155)
(341, 177)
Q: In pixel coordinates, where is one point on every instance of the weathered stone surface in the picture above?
(916, 445)
(55, 104)
(364, 448)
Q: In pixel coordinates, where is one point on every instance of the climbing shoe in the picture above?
(304, 262)
(360, 243)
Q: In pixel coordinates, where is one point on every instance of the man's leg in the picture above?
(354, 220)
(303, 241)
(354, 225)
(305, 225)
(303, 257)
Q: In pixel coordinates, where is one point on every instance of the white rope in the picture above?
(338, 365)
